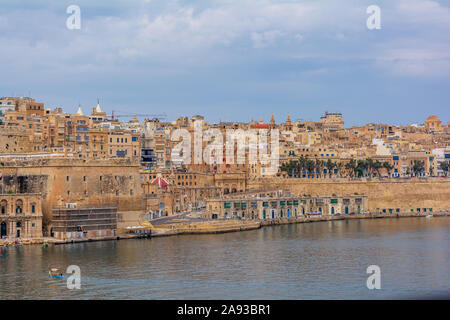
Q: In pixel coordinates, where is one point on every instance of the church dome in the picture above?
(433, 118)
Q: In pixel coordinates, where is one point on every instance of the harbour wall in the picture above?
(402, 194)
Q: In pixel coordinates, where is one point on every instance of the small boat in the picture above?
(55, 273)
(429, 216)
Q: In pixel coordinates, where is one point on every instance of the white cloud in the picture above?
(189, 34)
(266, 38)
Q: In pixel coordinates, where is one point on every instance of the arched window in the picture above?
(18, 224)
(3, 206)
(33, 208)
(19, 206)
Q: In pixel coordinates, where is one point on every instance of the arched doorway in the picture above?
(289, 213)
(332, 210)
(273, 214)
(3, 229)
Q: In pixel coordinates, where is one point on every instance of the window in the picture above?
(84, 178)
(33, 208)
(67, 178)
(4, 206)
(19, 206)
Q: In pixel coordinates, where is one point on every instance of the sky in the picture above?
(232, 60)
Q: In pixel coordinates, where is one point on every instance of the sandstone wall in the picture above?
(86, 182)
(405, 194)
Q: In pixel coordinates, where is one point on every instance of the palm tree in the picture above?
(377, 165)
(388, 168)
(318, 166)
(339, 167)
(330, 165)
(369, 165)
(418, 167)
(361, 167)
(351, 167)
(444, 165)
(310, 165)
(301, 164)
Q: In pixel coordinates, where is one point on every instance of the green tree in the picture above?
(351, 167)
(330, 165)
(388, 168)
(361, 168)
(418, 167)
(377, 165)
(340, 168)
(444, 165)
(369, 167)
(310, 166)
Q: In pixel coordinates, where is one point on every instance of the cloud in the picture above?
(266, 38)
(220, 47)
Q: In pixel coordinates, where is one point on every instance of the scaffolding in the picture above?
(84, 219)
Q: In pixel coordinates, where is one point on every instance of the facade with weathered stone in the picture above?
(85, 182)
(20, 216)
(265, 205)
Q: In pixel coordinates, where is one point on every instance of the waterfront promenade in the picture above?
(191, 224)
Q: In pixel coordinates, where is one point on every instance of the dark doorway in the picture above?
(3, 229)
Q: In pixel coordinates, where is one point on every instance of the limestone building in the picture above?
(266, 205)
(20, 216)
